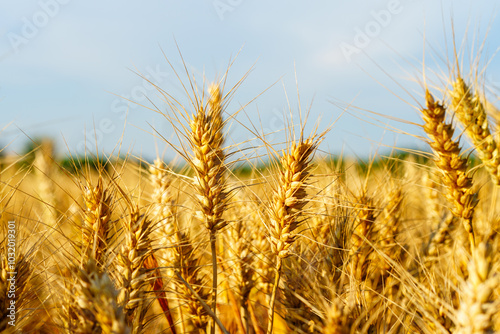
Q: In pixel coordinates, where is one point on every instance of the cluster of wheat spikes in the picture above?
(304, 244)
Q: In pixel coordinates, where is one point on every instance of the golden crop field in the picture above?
(302, 243)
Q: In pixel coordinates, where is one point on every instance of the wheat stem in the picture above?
(213, 249)
(279, 262)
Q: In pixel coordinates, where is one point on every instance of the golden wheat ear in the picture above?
(187, 264)
(132, 275)
(239, 260)
(23, 281)
(478, 305)
(289, 199)
(96, 300)
(471, 112)
(206, 139)
(162, 201)
(97, 225)
(45, 173)
(163, 218)
(337, 318)
(452, 165)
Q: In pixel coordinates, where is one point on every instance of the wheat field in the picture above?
(306, 242)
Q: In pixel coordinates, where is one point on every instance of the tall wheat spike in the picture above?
(288, 201)
(452, 165)
(206, 139)
(360, 250)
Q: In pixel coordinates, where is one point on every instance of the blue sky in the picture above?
(64, 64)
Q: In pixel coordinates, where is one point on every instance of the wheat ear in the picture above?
(44, 162)
(186, 263)
(287, 204)
(337, 318)
(96, 223)
(239, 261)
(161, 198)
(365, 215)
(206, 140)
(163, 216)
(136, 249)
(21, 279)
(96, 299)
(449, 160)
(471, 113)
(477, 307)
